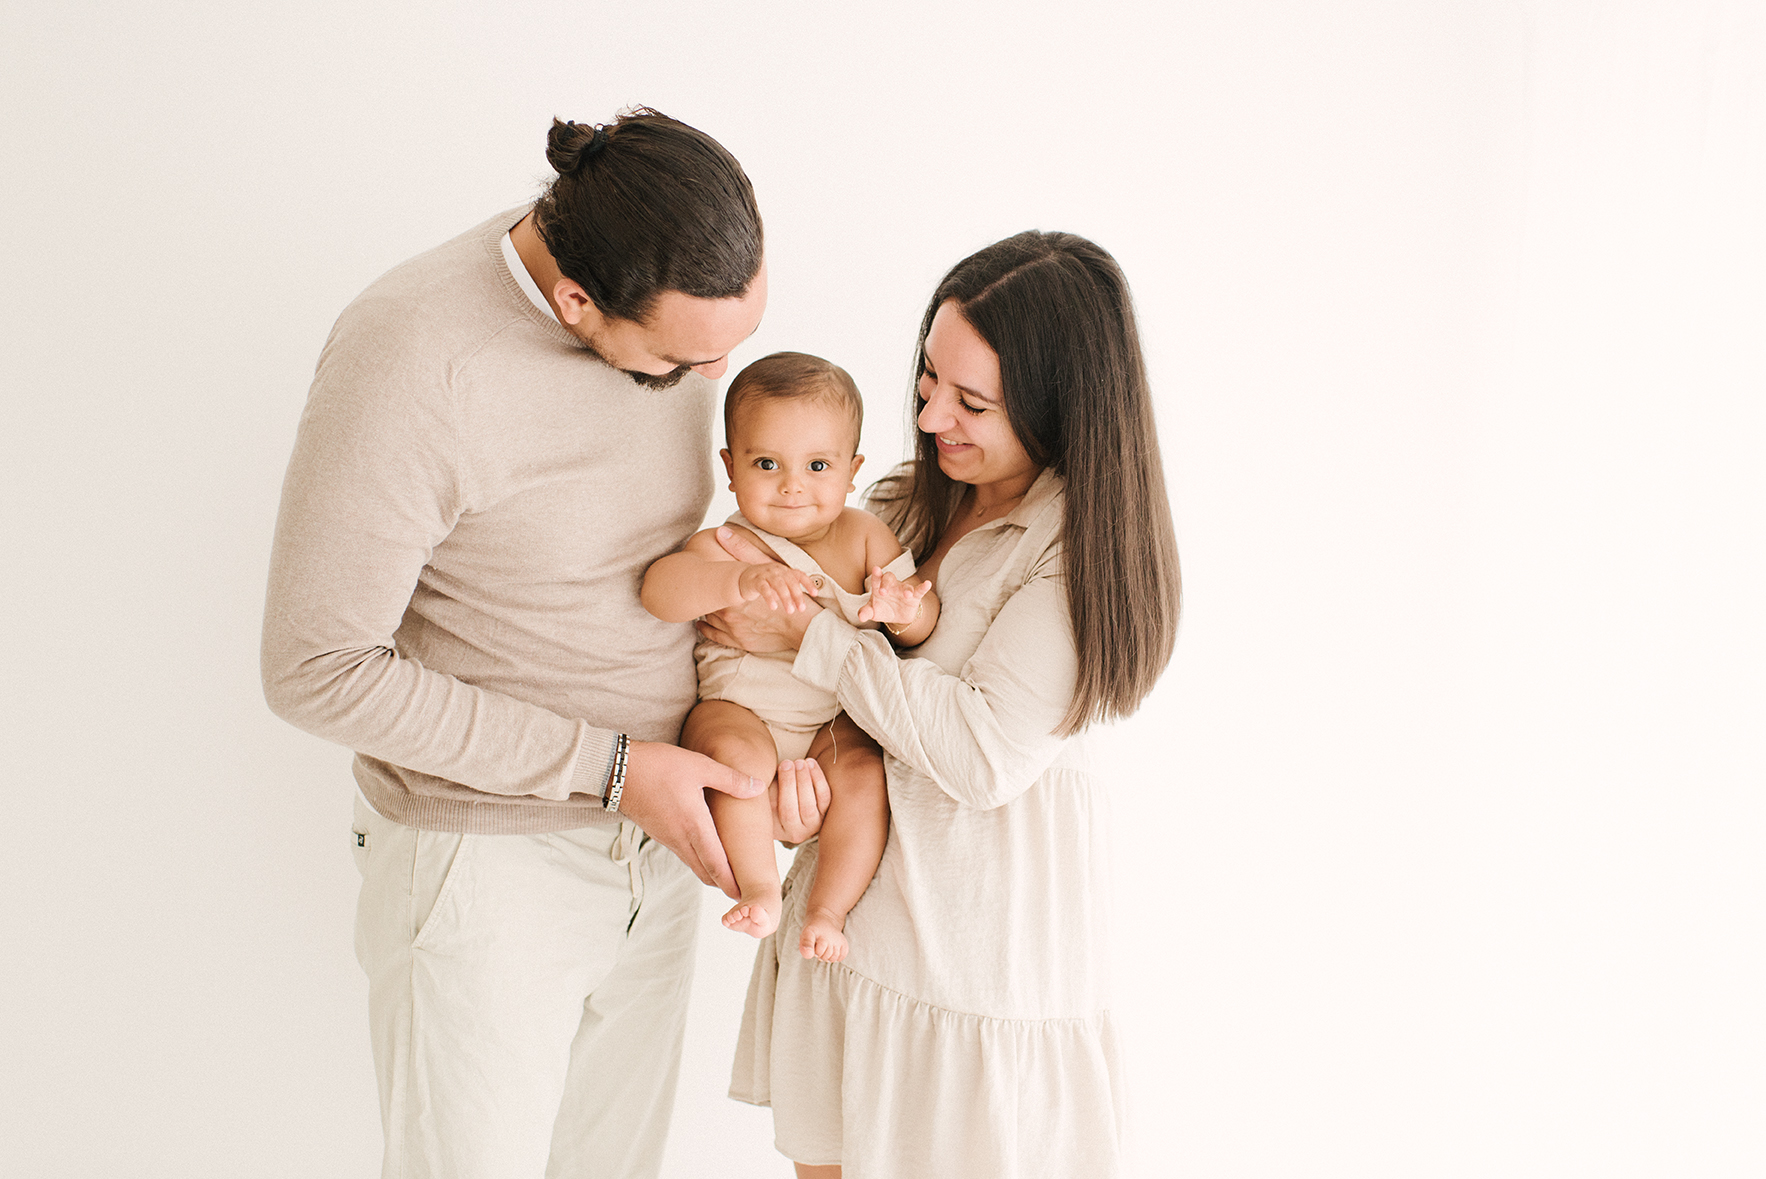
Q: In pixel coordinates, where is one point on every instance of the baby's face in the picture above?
(791, 463)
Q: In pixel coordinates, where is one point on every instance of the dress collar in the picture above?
(1046, 490)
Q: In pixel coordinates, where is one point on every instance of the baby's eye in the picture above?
(767, 464)
(818, 464)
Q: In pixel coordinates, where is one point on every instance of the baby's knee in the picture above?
(741, 752)
(734, 737)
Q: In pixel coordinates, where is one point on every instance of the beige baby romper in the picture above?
(763, 684)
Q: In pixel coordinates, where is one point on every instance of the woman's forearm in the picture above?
(984, 736)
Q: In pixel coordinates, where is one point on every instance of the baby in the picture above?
(791, 422)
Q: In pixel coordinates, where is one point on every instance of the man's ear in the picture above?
(729, 466)
(574, 305)
(858, 460)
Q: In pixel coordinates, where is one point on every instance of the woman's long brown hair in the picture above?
(1056, 309)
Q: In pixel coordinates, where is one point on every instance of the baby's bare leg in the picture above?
(853, 833)
(731, 734)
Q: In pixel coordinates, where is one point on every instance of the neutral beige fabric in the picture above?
(471, 505)
(580, 942)
(968, 1032)
(763, 682)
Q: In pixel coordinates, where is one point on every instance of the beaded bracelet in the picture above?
(622, 747)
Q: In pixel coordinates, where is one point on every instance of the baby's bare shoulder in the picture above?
(858, 524)
(871, 535)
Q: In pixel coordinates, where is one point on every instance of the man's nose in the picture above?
(713, 368)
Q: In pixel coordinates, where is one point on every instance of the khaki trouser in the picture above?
(527, 996)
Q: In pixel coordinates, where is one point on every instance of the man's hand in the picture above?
(755, 625)
(740, 547)
(665, 795)
(800, 799)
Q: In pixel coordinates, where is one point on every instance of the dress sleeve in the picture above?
(985, 735)
(902, 567)
(375, 483)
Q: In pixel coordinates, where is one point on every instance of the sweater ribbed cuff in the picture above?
(823, 652)
(594, 762)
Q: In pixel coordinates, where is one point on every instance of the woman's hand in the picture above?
(755, 625)
(800, 799)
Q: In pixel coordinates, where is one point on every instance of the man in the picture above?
(502, 434)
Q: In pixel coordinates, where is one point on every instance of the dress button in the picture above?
(815, 579)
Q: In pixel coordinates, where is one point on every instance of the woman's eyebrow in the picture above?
(927, 366)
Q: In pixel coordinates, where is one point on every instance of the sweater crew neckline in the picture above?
(492, 237)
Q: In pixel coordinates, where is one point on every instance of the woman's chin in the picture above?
(954, 466)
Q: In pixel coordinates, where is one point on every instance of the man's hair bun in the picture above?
(570, 145)
(666, 208)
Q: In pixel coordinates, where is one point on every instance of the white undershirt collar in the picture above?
(523, 279)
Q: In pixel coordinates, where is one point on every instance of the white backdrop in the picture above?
(1439, 843)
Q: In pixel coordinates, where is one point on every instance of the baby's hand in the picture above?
(780, 585)
(893, 601)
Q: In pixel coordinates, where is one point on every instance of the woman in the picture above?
(968, 1031)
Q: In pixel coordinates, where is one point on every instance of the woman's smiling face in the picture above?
(964, 409)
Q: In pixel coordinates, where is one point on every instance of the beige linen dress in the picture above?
(967, 1032)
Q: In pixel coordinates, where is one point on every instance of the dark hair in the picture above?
(645, 205)
(786, 375)
(1056, 309)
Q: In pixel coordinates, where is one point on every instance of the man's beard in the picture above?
(667, 380)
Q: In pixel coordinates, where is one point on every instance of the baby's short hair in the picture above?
(790, 375)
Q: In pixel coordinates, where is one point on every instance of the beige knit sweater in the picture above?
(471, 505)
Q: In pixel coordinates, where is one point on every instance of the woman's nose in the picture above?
(933, 416)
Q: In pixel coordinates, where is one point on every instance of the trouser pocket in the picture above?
(361, 838)
(437, 863)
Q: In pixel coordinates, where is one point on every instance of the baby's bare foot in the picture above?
(824, 936)
(757, 913)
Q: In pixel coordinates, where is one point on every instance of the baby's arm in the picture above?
(908, 609)
(702, 578)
